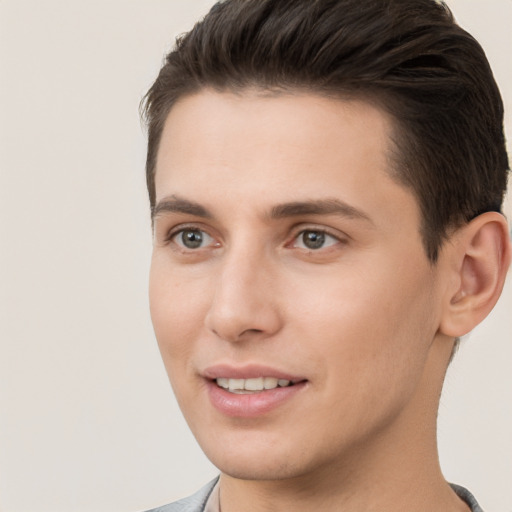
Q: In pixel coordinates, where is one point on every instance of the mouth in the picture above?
(253, 390)
(252, 385)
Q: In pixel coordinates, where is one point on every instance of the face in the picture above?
(288, 268)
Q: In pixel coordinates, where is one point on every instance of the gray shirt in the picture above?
(207, 500)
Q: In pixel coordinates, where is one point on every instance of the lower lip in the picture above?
(251, 405)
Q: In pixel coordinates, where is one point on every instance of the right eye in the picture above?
(192, 238)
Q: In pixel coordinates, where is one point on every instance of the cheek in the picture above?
(176, 315)
(176, 308)
(372, 328)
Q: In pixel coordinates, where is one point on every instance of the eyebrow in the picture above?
(175, 204)
(329, 206)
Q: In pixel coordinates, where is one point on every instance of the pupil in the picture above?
(313, 239)
(192, 239)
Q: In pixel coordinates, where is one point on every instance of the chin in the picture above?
(270, 458)
(249, 457)
(256, 469)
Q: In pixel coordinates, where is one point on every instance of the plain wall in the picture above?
(87, 418)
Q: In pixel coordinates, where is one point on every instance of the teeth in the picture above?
(223, 383)
(254, 384)
(270, 382)
(236, 384)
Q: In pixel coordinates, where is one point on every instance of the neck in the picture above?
(398, 469)
(408, 480)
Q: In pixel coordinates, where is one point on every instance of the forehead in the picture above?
(273, 148)
(255, 117)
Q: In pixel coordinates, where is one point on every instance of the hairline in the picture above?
(396, 148)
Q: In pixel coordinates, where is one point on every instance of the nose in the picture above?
(244, 303)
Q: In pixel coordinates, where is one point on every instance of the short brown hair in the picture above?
(408, 56)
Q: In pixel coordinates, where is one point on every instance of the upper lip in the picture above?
(248, 371)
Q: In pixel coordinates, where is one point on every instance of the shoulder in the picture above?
(467, 497)
(194, 503)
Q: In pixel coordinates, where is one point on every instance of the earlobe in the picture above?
(481, 258)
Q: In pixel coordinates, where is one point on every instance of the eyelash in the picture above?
(171, 237)
(323, 235)
(172, 234)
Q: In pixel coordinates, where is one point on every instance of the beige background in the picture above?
(87, 419)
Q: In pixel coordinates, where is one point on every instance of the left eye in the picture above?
(314, 240)
(192, 238)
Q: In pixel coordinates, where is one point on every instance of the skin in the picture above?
(359, 317)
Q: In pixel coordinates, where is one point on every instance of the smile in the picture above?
(252, 385)
(251, 390)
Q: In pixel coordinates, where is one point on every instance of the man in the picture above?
(326, 180)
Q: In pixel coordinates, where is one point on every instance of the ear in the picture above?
(479, 259)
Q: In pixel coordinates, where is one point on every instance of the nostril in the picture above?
(251, 331)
